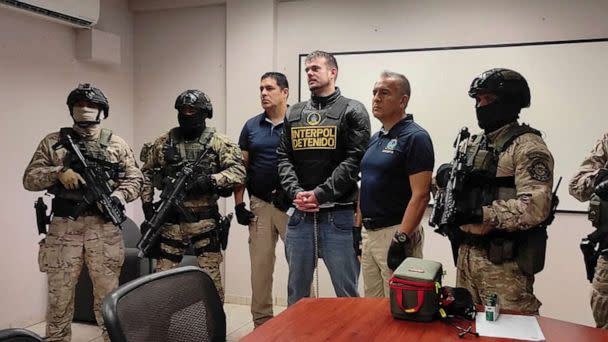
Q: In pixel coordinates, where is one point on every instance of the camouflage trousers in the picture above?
(66, 247)
(599, 293)
(482, 277)
(177, 237)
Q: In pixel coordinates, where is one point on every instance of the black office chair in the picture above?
(178, 305)
(18, 335)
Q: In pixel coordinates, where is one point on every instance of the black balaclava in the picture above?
(191, 126)
(496, 114)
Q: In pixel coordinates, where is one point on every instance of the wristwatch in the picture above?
(401, 237)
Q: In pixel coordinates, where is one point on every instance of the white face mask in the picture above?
(85, 114)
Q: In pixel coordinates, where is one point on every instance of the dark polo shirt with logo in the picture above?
(391, 157)
(260, 137)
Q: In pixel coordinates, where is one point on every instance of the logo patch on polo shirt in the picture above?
(313, 137)
(390, 147)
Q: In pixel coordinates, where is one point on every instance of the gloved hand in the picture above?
(204, 184)
(148, 208)
(171, 154)
(398, 251)
(115, 201)
(243, 216)
(443, 175)
(70, 179)
(357, 240)
(601, 184)
(468, 216)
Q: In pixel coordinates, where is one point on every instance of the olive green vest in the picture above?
(188, 151)
(482, 159)
(96, 155)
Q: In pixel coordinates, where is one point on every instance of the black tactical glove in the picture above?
(171, 154)
(601, 184)
(204, 184)
(148, 208)
(243, 216)
(468, 216)
(117, 203)
(443, 175)
(357, 240)
(399, 250)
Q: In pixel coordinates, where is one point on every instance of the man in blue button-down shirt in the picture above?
(267, 219)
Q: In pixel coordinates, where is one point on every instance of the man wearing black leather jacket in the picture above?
(319, 154)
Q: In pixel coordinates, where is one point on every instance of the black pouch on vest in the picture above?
(500, 250)
(531, 248)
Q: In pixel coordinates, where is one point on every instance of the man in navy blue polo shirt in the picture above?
(395, 185)
(267, 219)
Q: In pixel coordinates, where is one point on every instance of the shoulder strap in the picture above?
(513, 133)
(104, 137)
(206, 136)
(64, 131)
(174, 136)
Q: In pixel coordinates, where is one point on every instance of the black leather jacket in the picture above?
(321, 148)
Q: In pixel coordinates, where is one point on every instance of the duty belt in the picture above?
(377, 223)
(65, 208)
(481, 241)
(199, 213)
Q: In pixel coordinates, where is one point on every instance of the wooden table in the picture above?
(369, 319)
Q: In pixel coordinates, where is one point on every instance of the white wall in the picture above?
(38, 69)
(250, 52)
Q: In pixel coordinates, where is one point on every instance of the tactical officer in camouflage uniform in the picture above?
(591, 182)
(90, 238)
(506, 200)
(222, 170)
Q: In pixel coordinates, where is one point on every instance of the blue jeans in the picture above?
(335, 243)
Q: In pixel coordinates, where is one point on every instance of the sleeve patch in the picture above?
(539, 170)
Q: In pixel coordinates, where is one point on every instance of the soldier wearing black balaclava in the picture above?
(504, 207)
(221, 170)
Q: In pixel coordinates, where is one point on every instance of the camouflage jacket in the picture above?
(41, 173)
(224, 158)
(581, 186)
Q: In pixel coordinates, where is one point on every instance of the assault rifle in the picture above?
(97, 189)
(172, 197)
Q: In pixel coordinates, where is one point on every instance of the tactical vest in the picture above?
(315, 140)
(482, 160)
(186, 151)
(96, 155)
